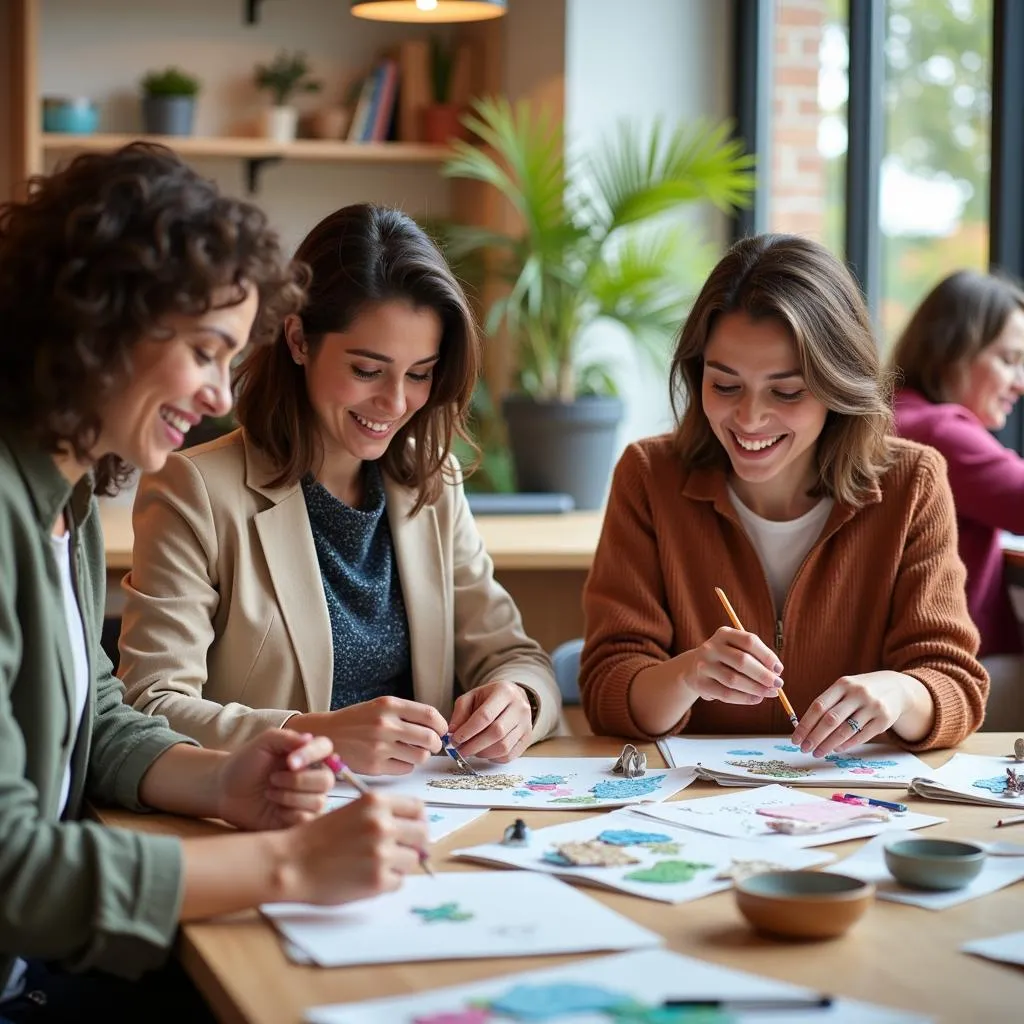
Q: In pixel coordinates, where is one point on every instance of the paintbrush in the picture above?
(339, 767)
(735, 620)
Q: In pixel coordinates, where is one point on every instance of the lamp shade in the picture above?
(428, 11)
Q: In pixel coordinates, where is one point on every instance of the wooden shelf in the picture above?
(323, 150)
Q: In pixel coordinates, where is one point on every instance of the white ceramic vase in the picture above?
(280, 123)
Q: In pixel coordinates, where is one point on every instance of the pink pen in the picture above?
(842, 798)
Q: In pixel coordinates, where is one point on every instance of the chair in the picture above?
(565, 660)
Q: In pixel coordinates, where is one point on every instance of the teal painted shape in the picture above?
(618, 789)
(547, 780)
(630, 837)
(442, 912)
(549, 1002)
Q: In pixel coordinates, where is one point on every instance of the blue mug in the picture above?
(75, 114)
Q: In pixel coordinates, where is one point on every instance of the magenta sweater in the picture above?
(987, 481)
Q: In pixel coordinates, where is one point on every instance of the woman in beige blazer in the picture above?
(320, 566)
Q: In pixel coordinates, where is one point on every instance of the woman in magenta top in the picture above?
(961, 366)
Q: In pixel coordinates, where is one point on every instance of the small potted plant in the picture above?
(169, 102)
(285, 76)
(441, 119)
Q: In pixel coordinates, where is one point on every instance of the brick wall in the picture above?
(797, 183)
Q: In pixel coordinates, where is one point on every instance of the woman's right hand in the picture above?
(362, 849)
(733, 666)
(383, 736)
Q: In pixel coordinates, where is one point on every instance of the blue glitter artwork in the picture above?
(522, 792)
(630, 837)
(436, 818)
(616, 789)
(789, 748)
(996, 785)
(551, 857)
(747, 753)
(850, 762)
(549, 1002)
(547, 780)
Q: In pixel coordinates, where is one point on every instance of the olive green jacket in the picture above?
(70, 890)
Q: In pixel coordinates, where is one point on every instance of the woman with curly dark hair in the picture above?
(127, 284)
(321, 564)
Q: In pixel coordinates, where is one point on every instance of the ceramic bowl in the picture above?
(934, 863)
(803, 904)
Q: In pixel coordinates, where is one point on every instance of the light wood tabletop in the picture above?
(565, 541)
(896, 955)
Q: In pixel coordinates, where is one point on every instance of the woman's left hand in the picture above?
(275, 781)
(872, 702)
(493, 721)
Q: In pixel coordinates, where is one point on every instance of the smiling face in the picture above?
(757, 403)
(367, 382)
(175, 381)
(991, 384)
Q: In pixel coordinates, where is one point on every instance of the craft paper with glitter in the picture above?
(755, 762)
(629, 987)
(540, 783)
(458, 915)
(737, 815)
(623, 851)
(972, 779)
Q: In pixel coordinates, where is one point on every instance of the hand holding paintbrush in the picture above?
(341, 770)
(735, 620)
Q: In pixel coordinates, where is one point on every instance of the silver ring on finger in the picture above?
(854, 724)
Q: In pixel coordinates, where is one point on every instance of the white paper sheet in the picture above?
(645, 978)
(443, 821)
(652, 844)
(459, 915)
(1007, 949)
(536, 783)
(972, 779)
(741, 761)
(868, 864)
(735, 814)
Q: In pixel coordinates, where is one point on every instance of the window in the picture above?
(934, 195)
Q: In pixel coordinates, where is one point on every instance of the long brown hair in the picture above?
(92, 262)
(963, 314)
(360, 256)
(803, 286)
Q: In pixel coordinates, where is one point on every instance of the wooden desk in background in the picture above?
(897, 955)
(541, 560)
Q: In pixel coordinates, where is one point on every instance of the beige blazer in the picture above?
(226, 630)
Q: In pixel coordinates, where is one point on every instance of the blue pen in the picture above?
(889, 805)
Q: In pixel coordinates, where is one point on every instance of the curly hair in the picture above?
(361, 256)
(803, 286)
(91, 263)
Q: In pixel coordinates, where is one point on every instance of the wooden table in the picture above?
(541, 560)
(896, 955)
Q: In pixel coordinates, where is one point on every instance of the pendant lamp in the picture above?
(428, 11)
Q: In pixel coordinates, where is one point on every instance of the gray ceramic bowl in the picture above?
(802, 904)
(934, 863)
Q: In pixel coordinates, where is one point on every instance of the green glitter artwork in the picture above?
(668, 871)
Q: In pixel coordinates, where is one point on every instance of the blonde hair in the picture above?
(803, 286)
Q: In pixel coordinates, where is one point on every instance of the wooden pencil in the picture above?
(735, 620)
(340, 768)
(1017, 819)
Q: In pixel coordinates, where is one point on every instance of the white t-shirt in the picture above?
(80, 667)
(782, 547)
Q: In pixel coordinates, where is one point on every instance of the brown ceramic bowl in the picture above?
(803, 904)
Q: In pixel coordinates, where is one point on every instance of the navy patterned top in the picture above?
(369, 628)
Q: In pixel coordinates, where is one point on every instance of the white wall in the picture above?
(637, 61)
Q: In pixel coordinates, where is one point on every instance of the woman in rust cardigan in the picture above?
(835, 541)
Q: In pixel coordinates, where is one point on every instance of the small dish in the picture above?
(939, 864)
(803, 904)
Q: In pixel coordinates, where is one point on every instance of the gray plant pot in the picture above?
(168, 115)
(564, 447)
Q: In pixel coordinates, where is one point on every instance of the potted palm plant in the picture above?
(169, 102)
(597, 240)
(283, 77)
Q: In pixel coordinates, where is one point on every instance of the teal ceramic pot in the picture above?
(73, 114)
(934, 863)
